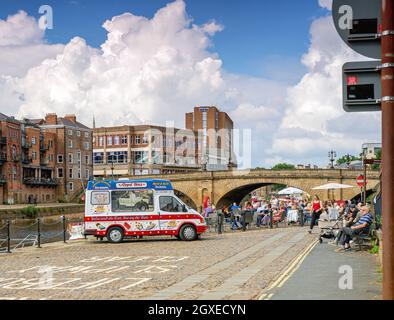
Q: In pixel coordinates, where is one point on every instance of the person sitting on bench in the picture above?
(359, 228)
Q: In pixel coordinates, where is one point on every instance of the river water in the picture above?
(51, 230)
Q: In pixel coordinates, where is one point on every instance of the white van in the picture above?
(119, 209)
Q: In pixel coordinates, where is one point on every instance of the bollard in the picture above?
(38, 233)
(64, 229)
(271, 220)
(243, 220)
(8, 236)
(220, 222)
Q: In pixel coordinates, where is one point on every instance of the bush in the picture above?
(30, 212)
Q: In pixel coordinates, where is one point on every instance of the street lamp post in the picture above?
(112, 169)
(332, 156)
(348, 160)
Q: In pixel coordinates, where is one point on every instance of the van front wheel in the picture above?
(115, 235)
(188, 233)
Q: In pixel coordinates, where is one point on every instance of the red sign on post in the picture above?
(361, 181)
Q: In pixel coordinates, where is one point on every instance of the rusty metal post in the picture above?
(388, 147)
(365, 183)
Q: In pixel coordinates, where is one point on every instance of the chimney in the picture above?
(71, 117)
(51, 118)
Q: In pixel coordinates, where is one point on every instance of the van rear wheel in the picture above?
(188, 233)
(115, 235)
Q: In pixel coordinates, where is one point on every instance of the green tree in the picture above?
(284, 166)
(376, 166)
(346, 159)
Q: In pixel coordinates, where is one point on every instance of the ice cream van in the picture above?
(121, 209)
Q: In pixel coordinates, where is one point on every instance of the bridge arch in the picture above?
(239, 193)
(186, 199)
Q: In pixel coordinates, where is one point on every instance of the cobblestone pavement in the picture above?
(235, 265)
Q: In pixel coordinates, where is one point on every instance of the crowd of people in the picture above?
(353, 219)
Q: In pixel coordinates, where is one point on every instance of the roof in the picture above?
(4, 117)
(140, 184)
(69, 123)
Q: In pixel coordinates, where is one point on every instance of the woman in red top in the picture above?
(316, 211)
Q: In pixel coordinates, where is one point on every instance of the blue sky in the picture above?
(255, 77)
(257, 35)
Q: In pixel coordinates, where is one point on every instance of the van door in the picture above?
(171, 212)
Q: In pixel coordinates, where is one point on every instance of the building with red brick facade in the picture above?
(43, 160)
(217, 139)
(10, 160)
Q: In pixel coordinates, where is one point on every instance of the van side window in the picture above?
(132, 201)
(170, 204)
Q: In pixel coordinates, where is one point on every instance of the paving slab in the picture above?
(320, 277)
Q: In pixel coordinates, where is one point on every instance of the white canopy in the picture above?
(290, 191)
(332, 186)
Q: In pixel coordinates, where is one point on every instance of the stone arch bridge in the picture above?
(225, 187)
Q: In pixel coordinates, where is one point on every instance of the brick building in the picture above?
(10, 160)
(43, 160)
(217, 139)
(72, 158)
(143, 149)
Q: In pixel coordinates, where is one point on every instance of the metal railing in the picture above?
(250, 220)
(41, 181)
(32, 235)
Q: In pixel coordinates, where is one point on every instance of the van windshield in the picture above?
(132, 201)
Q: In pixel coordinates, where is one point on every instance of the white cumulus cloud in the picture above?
(154, 70)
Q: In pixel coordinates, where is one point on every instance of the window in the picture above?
(70, 173)
(14, 174)
(98, 157)
(99, 198)
(34, 155)
(124, 139)
(109, 141)
(87, 173)
(101, 141)
(86, 134)
(70, 143)
(33, 140)
(50, 158)
(137, 139)
(70, 158)
(117, 157)
(145, 139)
(71, 186)
(60, 172)
(87, 145)
(78, 133)
(116, 140)
(59, 158)
(79, 173)
(87, 159)
(13, 152)
(132, 201)
(70, 132)
(170, 204)
(140, 157)
(204, 120)
(156, 157)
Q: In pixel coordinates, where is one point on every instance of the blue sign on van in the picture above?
(129, 184)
